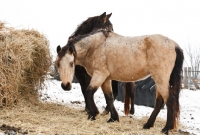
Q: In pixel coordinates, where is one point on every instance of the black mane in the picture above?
(70, 45)
(84, 25)
(93, 23)
(78, 38)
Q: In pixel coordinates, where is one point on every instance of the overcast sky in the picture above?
(57, 19)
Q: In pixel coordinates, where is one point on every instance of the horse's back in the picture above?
(133, 58)
(126, 57)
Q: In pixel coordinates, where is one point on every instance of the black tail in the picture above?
(175, 83)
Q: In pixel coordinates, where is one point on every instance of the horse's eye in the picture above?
(71, 64)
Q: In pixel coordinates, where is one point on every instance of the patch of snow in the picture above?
(189, 103)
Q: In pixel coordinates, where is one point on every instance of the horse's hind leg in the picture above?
(107, 90)
(158, 106)
(129, 94)
(170, 113)
(132, 88)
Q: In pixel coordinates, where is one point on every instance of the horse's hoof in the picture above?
(105, 113)
(91, 118)
(146, 126)
(165, 131)
(132, 112)
(112, 120)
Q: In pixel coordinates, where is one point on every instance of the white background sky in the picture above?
(58, 19)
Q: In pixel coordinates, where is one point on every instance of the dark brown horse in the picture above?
(89, 25)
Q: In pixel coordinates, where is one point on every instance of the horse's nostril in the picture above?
(66, 87)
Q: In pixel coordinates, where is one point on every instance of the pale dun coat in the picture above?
(110, 56)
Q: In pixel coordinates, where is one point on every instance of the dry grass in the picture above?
(24, 61)
(45, 119)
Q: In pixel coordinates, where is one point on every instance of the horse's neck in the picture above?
(87, 45)
(82, 48)
(81, 54)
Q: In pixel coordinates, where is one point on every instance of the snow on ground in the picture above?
(189, 101)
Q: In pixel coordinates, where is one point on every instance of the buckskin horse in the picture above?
(94, 23)
(107, 56)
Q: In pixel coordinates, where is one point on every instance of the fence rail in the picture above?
(191, 79)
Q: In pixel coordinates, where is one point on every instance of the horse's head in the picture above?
(93, 23)
(66, 64)
(102, 22)
(65, 59)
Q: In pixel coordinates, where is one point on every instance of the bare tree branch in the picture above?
(193, 53)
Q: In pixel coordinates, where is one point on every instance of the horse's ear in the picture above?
(109, 15)
(104, 14)
(58, 49)
(103, 17)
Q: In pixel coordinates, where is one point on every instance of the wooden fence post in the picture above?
(185, 77)
(189, 77)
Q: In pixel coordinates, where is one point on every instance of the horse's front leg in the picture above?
(107, 90)
(115, 93)
(96, 81)
(84, 80)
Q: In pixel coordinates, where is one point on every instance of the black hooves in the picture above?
(146, 126)
(111, 120)
(165, 131)
(132, 112)
(91, 118)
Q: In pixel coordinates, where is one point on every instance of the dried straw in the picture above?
(55, 119)
(25, 60)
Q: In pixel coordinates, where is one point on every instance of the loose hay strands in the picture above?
(55, 119)
(25, 60)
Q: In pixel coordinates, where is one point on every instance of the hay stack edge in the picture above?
(25, 60)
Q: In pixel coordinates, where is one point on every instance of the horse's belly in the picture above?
(129, 74)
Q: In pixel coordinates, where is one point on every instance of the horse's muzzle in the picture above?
(66, 87)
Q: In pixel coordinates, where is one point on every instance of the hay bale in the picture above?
(25, 60)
